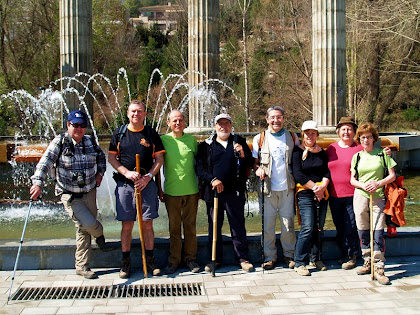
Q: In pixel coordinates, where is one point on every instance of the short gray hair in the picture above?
(276, 107)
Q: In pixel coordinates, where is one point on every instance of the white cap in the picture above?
(309, 124)
(222, 116)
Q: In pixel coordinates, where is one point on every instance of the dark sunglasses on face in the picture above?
(78, 125)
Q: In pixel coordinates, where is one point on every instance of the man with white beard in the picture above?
(222, 163)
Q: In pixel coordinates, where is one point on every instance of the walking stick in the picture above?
(140, 218)
(318, 227)
(20, 247)
(213, 250)
(371, 237)
(262, 224)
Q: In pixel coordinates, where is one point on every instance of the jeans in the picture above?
(308, 246)
(345, 223)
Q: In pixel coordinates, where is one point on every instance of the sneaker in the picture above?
(125, 268)
(365, 269)
(209, 266)
(87, 273)
(247, 266)
(289, 262)
(268, 265)
(302, 271)
(151, 267)
(170, 269)
(350, 263)
(100, 241)
(193, 266)
(379, 275)
(318, 265)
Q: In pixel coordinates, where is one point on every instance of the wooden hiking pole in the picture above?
(140, 218)
(371, 237)
(213, 250)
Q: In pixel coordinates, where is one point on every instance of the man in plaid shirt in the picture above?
(80, 166)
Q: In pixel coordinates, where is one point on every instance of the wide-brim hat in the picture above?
(346, 120)
(309, 124)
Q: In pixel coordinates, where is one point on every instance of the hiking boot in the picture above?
(170, 269)
(209, 266)
(151, 267)
(350, 263)
(379, 275)
(247, 266)
(365, 269)
(268, 265)
(318, 264)
(290, 262)
(125, 268)
(302, 271)
(87, 273)
(193, 266)
(100, 241)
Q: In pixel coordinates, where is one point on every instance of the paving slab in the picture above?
(232, 291)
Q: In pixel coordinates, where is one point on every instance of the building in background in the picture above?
(164, 16)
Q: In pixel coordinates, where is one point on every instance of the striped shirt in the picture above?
(81, 160)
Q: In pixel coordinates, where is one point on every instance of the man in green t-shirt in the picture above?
(180, 193)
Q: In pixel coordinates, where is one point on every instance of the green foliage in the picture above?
(411, 114)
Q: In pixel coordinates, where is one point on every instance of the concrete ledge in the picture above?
(59, 253)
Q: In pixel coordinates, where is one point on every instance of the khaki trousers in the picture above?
(362, 215)
(182, 210)
(83, 212)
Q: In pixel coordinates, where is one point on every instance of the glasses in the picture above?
(276, 117)
(364, 138)
(78, 125)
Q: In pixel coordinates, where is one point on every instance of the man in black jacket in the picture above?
(222, 163)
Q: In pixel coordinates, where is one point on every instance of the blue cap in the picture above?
(77, 116)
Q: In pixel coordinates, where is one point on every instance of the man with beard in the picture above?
(222, 164)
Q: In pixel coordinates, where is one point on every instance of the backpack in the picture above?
(65, 142)
(121, 133)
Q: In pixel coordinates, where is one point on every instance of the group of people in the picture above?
(290, 173)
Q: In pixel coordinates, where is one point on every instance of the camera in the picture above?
(80, 179)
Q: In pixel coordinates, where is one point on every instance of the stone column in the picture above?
(75, 46)
(329, 62)
(203, 54)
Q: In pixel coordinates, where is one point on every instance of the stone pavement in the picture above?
(232, 291)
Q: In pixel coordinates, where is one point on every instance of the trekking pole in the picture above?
(371, 238)
(140, 219)
(318, 226)
(262, 224)
(20, 247)
(213, 250)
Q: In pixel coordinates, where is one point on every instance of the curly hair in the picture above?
(367, 128)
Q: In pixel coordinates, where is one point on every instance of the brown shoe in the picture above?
(151, 267)
(379, 275)
(247, 266)
(193, 266)
(365, 269)
(268, 265)
(87, 273)
(290, 263)
(350, 263)
(318, 265)
(125, 268)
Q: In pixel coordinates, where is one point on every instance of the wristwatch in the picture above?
(150, 175)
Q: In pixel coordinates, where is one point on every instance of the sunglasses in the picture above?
(78, 125)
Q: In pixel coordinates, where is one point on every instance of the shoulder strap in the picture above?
(293, 137)
(262, 136)
(355, 166)
(121, 132)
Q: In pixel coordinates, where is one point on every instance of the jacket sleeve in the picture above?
(202, 167)
(327, 173)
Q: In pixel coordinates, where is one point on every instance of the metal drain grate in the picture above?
(109, 292)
